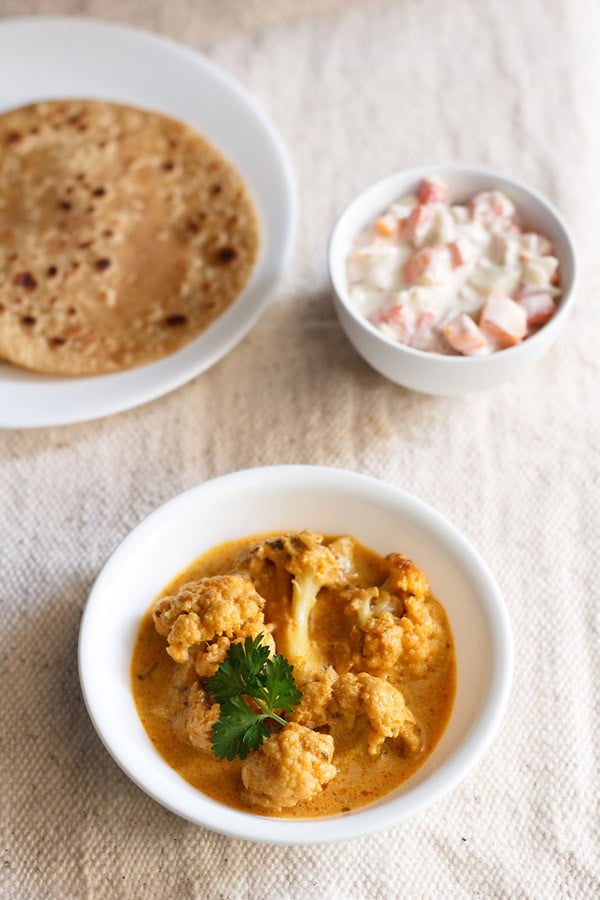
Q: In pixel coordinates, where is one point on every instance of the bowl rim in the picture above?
(365, 820)
(442, 359)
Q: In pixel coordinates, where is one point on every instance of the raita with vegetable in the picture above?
(295, 674)
(456, 278)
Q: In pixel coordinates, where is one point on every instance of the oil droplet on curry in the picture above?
(372, 653)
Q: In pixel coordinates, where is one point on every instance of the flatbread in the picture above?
(123, 235)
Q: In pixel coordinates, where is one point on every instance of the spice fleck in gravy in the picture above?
(377, 672)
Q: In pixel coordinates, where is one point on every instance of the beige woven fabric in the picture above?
(357, 88)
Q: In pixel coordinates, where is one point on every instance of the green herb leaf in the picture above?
(280, 685)
(239, 670)
(238, 730)
(248, 671)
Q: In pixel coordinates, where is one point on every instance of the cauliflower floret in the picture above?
(210, 655)
(404, 577)
(302, 555)
(291, 766)
(409, 644)
(396, 628)
(381, 647)
(209, 658)
(312, 566)
(204, 609)
(344, 550)
(382, 704)
(200, 718)
(312, 711)
(185, 632)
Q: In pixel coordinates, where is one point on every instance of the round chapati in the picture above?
(123, 235)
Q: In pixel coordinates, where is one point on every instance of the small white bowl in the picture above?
(280, 498)
(436, 373)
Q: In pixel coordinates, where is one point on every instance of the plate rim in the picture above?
(143, 391)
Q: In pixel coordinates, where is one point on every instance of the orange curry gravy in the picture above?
(160, 689)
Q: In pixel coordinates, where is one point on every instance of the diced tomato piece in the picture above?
(512, 228)
(464, 336)
(429, 265)
(460, 251)
(418, 264)
(423, 332)
(523, 290)
(539, 308)
(488, 206)
(394, 321)
(386, 225)
(503, 319)
(418, 224)
(457, 255)
(432, 190)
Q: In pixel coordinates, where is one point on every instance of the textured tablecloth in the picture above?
(357, 88)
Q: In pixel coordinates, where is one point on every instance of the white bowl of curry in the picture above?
(396, 631)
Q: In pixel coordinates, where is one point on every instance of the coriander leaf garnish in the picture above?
(239, 670)
(249, 672)
(280, 684)
(238, 730)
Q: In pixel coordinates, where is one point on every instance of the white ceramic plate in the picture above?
(42, 58)
(291, 498)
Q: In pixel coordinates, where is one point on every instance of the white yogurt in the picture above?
(426, 266)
